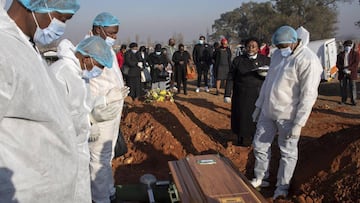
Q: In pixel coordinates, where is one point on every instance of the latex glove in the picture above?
(347, 71)
(106, 112)
(294, 132)
(94, 133)
(256, 114)
(140, 64)
(116, 94)
(227, 99)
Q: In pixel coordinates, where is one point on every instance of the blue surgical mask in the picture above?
(93, 73)
(54, 31)
(110, 41)
(285, 52)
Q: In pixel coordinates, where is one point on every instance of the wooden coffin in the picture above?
(211, 178)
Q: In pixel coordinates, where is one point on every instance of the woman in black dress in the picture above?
(181, 59)
(247, 80)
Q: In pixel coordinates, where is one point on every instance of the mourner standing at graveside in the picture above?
(247, 74)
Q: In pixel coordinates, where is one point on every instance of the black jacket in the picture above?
(131, 61)
(144, 60)
(157, 59)
(202, 53)
(217, 58)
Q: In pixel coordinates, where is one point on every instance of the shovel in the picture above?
(149, 179)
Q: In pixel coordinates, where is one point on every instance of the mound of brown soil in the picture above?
(328, 169)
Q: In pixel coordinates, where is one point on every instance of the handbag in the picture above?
(145, 75)
(125, 70)
(120, 146)
(190, 72)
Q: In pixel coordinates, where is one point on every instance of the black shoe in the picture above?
(244, 141)
(341, 103)
(353, 103)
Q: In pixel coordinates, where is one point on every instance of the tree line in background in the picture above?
(260, 20)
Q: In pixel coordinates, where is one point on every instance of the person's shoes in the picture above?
(353, 103)
(280, 194)
(185, 92)
(259, 183)
(244, 141)
(217, 92)
(341, 103)
(175, 89)
(197, 90)
(207, 89)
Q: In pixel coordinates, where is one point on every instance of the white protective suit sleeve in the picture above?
(309, 80)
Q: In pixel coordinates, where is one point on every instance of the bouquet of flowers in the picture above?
(156, 95)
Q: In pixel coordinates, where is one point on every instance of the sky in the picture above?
(159, 20)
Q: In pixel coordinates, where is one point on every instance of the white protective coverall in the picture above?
(286, 98)
(102, 150)
(67, 71)
(38, 152)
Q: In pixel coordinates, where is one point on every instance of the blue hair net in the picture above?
(106, 19)
(46, 6)
(96, 48)
(284, 35)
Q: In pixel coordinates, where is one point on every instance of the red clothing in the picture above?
(353, 64)
(120, 58)
(264, 50)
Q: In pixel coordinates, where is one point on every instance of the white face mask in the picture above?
(201, 41)
(347, 48)
(285, 52)
(158, 53)
(93, 73)
(109, 40)
(134, 51)
(52, 32)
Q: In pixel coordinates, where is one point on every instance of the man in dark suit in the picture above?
(202, 56)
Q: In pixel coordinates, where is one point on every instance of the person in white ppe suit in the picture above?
(73, 70)
(38, 152)
(106, 26)
(283, 106)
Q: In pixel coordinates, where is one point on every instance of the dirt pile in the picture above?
(328, 169)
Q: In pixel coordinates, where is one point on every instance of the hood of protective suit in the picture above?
(304, 35)
(66, 50)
